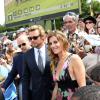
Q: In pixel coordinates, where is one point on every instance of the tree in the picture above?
(85, 7)
(95, 6)
(2, 29)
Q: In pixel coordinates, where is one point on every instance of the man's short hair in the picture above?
(71, 14)
(37, 27)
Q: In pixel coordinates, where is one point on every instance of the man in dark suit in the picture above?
(36, 71)
(17, 68)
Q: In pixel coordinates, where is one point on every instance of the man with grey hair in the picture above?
(73, 34)
(70, 22)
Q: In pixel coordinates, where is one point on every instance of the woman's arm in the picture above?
(54, 93)
(78, 70)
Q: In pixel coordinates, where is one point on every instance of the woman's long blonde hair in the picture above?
(61, 37)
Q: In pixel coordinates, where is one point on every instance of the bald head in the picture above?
(23, 42)
(23, 38)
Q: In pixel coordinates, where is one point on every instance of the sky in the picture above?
(2, 18)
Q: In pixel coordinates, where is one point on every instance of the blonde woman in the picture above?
(68, 69)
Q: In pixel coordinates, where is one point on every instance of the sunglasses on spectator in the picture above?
(34, 37)
(23, 44)
(88, 22)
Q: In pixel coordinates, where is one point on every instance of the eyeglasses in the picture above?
(98, 27)
(88, 22)
(34, 37)
(23, 44)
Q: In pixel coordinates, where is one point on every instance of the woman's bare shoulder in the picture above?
(75, 57)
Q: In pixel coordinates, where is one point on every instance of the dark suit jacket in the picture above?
(41, 82)
(17, 68)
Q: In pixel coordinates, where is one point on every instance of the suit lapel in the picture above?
(31, 59)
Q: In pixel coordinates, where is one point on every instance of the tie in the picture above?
(40, 62)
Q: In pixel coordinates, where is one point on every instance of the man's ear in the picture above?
(43, 37)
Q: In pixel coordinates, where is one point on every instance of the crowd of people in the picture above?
(52, 65)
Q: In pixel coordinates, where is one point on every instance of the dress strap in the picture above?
(68, 59)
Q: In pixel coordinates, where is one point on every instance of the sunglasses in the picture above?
(88, 22)
(23, 44)
(34, 37)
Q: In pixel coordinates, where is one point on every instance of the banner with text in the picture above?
(18, 10)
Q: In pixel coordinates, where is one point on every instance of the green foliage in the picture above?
(96, 7)
(8, 29)
(86, 6)
(2, 29)
(59, 23)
